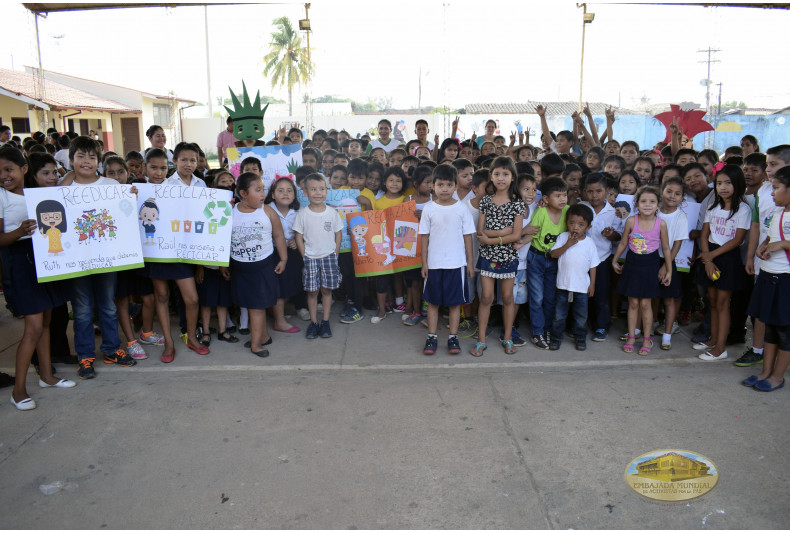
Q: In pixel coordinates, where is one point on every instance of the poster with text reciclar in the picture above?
(179, 224)
(275, 161)
(83, 230)
(385, 241)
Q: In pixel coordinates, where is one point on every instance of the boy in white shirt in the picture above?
(317, 232)
(578, 256)
(446, 230)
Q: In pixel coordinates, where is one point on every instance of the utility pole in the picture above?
(709, 60)
(208, 64)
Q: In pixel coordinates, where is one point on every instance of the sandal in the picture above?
(507, 345)
(205, 340)
(480, 347)
(645, 350)
(628, 347)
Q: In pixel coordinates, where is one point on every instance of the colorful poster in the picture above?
(345, 201)
(385, 241)
(683, 259)
(83, 230)
(275, 161)
(179, 224)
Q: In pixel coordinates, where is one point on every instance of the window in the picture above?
(20, 124)
(162, 115)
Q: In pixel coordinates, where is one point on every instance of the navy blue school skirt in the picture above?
(23, 293)
(674, 289)
(254, 285)
(640, 275)
(290, 281)
(215, 290)
(771, 299)
(168, 271)
(731, 268)
(133, 282)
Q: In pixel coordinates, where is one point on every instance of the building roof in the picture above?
(552, 108)
(56, 95)
(147, 94)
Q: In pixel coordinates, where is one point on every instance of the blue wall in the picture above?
(770, 130)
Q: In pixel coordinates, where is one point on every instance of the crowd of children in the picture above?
(500, 226)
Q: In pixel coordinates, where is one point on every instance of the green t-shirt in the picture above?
(548, 231)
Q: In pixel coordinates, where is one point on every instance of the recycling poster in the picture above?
(83, 230)
(385, 241)
(184, 224)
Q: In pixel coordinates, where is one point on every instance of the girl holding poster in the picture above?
(253, 264)
(25, 296)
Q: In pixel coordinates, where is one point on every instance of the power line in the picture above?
(709, 51)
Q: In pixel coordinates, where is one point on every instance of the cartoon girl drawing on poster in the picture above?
(51, 218)
(149, 213)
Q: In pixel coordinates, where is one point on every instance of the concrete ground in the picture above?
(363, 431)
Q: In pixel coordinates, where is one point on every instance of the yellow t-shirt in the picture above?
(384, 202)
(410, 191)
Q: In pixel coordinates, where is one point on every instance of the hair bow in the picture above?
(718, 168)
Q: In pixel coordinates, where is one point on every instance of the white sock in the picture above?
(666, 338)
(637, 331)
(244, 318)
(758, 351)
(398, 301)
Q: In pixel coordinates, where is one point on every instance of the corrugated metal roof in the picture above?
(57, 95)
(552, 108)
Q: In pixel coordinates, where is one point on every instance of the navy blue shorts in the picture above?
(446, 287)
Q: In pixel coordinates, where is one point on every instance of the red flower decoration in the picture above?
(689, 122)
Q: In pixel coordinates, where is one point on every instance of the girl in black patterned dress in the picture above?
(498, 227)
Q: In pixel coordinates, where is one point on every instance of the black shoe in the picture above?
(225, 336)
(312, 331)
(581, 344)
(554, 345)
(540, 342)
(244, 331)
(749, 358)
(453, 346)
(248, 344)
(86, 370)
(430, 346)
(324, 330)
(231, 329)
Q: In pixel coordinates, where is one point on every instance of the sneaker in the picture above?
(136, 351)
(324, 331)
(749, 358)
(376, 319)
(400, 308)
(540, 342)
(599, 335)
(351, 316)
(430, 345)
(554, 345)
(515, 336)
(346, 308)
(581, 344)
(303, 314)
(453, 346)
(120, 358)
(412, 319)
(155, 338)
(86, 370)
(312, 331)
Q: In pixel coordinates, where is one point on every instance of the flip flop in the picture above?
(480, 347)
(507, 345)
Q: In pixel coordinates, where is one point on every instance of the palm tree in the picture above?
(287, 61)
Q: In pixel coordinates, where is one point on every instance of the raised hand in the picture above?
(540, 110)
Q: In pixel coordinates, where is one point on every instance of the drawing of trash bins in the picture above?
(212, 227)
(199, 226)
(187, 226)
(174, 225)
